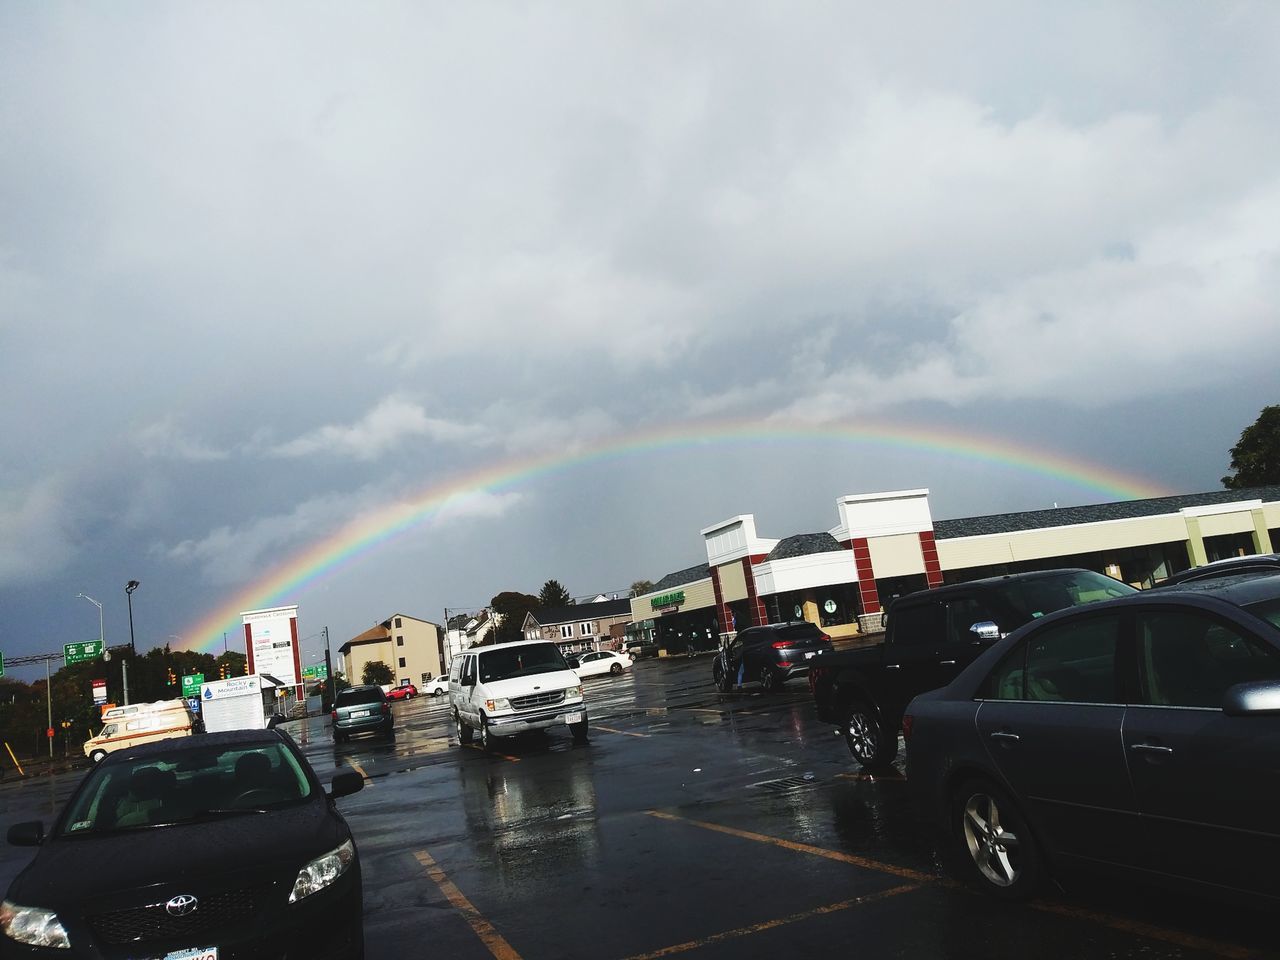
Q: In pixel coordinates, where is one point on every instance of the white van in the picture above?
(511, 688)
(139, 723)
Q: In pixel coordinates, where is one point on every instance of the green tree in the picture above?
(641, 587)
(553, 594)
(510, 607)
(375, 671)
(1256, 458)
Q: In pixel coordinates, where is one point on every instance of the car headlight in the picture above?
(573, 693)
(322, 871)
(501, 703)
(40, 928)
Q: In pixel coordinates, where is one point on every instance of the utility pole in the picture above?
(124, 678)
(330, 681)
(48, 693)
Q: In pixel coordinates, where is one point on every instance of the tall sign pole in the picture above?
(330, 682)
(48, 692)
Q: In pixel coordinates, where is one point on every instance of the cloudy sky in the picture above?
(268, 269)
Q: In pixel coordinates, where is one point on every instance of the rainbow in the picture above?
(364, 534)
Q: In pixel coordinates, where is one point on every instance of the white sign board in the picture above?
(270, 634)
(234, 704)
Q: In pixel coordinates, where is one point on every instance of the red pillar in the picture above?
(866, 575)
(929, 551)
(754, 603)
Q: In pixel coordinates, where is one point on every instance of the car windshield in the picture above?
(502, 664)
(1041, 595)
(348, 698)
(1268, 610)
(186, 786)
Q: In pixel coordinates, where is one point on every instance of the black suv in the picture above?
(931, 636)
(362, 709)
(769, 655)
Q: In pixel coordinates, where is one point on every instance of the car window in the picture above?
(1071, 662)
(1042, 595)
(358, 695)
(1268, 610)
(962, 614)
(917, 624)
(186, 785)
(1188, 658)
(799, 631)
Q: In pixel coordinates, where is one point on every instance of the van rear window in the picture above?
(348, 697)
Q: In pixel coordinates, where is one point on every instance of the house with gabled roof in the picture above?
(581, 626)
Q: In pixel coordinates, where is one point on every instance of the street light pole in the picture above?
(129, 587)
(102, 641)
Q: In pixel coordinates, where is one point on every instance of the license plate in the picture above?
(360, 713)
(573, 718)
(193, 953)
(810, 656)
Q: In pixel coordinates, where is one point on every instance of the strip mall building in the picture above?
(887, 544)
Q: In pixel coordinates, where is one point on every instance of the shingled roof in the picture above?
(581, 612)
(678, 579)
(804, 544)
(1094, 513)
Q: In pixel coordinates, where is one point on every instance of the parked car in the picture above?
(512, 688)
(639, 649)
(437, 687)
(597, 662)
(1260, 563)
(769, 655)
(406, 691)
(930, 637)
(222, 845)
(1136, 735)
(362, 709)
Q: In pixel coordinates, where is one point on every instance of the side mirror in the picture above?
(468, 681)
(985, 630)
(1258, 697)
(344, 784)
(28, 834)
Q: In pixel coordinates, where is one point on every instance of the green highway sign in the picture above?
(191, 684)
(318, 672)
(80, 652)
(1, 664)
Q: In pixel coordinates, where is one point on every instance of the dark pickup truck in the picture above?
(929, 638)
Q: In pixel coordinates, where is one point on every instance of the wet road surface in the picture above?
(692, 824)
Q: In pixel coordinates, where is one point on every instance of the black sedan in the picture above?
(1139, 735)
(223, 846)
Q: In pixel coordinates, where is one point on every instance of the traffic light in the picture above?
(246, 667)
(172, 679)
(222, 671)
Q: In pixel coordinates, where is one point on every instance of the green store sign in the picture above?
(672, 599)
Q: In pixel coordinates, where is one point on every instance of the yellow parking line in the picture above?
(1188, 941)
(485, 930)
(872, 777)
(493, 753)
(360, 770)
(863, 862)
(625, 733)
(771, 924)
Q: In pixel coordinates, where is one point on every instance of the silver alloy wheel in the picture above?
(864, 738)
(767, 679)
(485, 741)
(994, 850)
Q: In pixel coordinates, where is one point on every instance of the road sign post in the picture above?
(81, 652)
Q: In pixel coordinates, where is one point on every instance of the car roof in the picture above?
(1219, 568)
(175, 746)
(1240, 589)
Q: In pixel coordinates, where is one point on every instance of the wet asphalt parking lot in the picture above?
(693, 824)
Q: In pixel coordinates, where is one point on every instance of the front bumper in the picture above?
(508, 725)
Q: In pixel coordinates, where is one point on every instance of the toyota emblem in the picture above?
(181, 905)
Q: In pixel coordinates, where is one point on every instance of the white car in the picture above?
(602, 661)
(435, 688)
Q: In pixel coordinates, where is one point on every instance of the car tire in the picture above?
(437, 693)
(616, 669)
(994, 842)
(97, 756)
(486, 738)
(464, 732)
(869, 743)
(579, 731)
(770, 682)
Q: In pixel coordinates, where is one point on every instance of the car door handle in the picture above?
(948, 663)
(1152, 748)
(892, 666)
(1003, 735)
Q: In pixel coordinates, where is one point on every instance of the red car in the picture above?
(407, 692)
